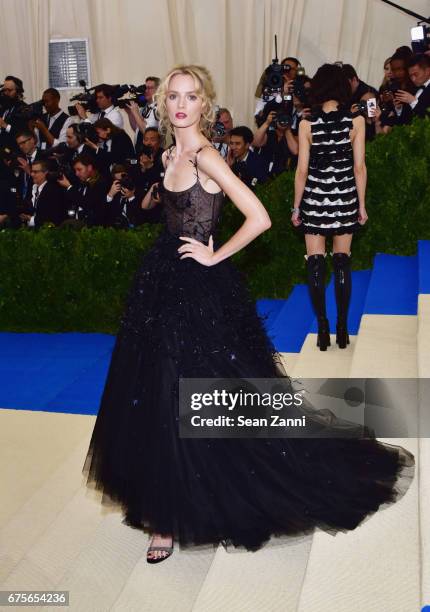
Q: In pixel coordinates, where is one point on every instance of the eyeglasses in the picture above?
(37, 171)
(24, 141)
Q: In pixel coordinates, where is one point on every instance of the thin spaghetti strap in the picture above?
(195, 159)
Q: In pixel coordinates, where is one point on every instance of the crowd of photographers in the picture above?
(82, 168)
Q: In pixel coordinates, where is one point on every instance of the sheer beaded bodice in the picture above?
(192, 212)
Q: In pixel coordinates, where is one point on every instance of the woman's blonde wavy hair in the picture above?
(204, 88)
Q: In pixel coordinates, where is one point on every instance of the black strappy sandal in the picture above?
(167, 549)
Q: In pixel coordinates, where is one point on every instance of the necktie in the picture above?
(102, 114)
(27, 177)
(36, 197)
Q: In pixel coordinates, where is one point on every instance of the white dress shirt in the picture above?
(150, 118)
(112, 113)
(8, 127)
(62, 137)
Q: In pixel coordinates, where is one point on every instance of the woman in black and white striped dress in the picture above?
(330, 191)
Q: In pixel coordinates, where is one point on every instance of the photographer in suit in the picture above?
(395, 109)
(358, 87)
(76, 143)
(114, 146)
(46, 203)
(279, 145)
(246, 164)
(224, 118)
(88, 199)
(8, 206)
(146, 117)
(27, 156)
(104, 99)
(13, 116)
(123, 199)
(291, 67)
(53, 126)
(151, 168)
(419, 74)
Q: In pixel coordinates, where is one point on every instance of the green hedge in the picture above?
(62, 280)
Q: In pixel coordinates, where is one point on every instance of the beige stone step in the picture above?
(332, 363)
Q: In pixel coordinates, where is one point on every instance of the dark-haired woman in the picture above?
(114, 147)
(330, 188)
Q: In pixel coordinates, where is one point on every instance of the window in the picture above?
(68, 63)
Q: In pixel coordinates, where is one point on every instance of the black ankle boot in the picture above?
(342, 288)
(316, 268)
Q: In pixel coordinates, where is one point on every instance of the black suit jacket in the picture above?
(24, 182)
(145, 179)
(93, 203)
(121, 149)
(18, 120)
(51, 206)
(123, 213)
(253, 170)
(423, 105)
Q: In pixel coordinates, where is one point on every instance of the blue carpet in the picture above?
(66, 372)
(360, 284)
(289, 329)
(270, 309)
(424, 266)
(54, 372)
(393, 287)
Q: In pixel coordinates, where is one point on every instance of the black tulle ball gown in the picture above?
(183, 319)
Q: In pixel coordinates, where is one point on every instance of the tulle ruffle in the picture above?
(183, 319)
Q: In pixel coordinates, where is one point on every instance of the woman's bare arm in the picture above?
(149, 201)
(303, 162)
(257, 219)
(358, 139)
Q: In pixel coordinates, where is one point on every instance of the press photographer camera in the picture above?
(274, 78)
(123, 204)
(127, 182)
(137, 94)
(87, 99)
(420, 37)
(283, 106)
(58, 171)
(218, 127)
(100, 102)
(10, 158)
(277, 87)
(300, 88)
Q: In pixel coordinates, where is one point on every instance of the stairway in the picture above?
(54, 534)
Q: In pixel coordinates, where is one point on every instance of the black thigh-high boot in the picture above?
(316, 268)
(342, 288)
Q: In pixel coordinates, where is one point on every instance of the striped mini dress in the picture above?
(330, 203)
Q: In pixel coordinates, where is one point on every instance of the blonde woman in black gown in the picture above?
(189, 315)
